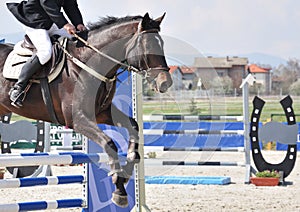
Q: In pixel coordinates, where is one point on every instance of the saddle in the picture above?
(25, 49)
(27, 44)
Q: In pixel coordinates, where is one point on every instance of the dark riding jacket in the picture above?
(41, 14)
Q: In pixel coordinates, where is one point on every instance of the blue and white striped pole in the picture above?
(40, 181)
(36, 159)
(201, 163)
(150, 162)
(192, 149)
(42, 205)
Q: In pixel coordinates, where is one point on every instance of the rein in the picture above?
(92, 71)
(100, 76)
(87, 68)
(129, 67)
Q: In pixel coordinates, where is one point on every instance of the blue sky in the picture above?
(223, 27)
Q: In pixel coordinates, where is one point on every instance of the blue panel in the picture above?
(123, 97)
(194, 125)
(194, 140)
(195, 180)
(201, 140)
(284, 147)
(100, 185)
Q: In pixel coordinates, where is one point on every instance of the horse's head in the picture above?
(145, 52)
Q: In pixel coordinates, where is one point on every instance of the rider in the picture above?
(41, 19)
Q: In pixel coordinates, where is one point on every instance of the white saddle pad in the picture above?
(15, 62)
(13, 65)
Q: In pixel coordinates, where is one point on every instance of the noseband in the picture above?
(136, 42)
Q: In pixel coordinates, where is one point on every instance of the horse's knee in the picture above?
(134, 124)
(133, 157)
(111, 148)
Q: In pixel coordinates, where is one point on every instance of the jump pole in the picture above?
(193, 149)
(42, 205)
(249, 79)
(52, 159)
(40, 181)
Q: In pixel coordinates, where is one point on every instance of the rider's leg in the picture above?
(42, 42)
(17, 91)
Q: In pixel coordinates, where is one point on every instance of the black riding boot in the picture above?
(16, 93)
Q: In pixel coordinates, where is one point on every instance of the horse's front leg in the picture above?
(122, 120)
(86, 97)
(90, 129)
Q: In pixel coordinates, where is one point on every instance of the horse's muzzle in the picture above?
(163, 81)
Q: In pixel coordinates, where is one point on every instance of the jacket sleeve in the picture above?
(53, 11)
(73, 12)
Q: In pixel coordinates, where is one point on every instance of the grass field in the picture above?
(219, 106)
(214, 106)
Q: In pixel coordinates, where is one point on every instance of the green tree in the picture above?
(295, 88)
(222, 85)
(288, 73)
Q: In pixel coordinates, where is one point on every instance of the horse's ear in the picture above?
(146, 20)
(146, 17)
(159, 20)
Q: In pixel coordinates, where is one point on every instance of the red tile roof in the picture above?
(172, 69)
(187, 70)
(183, 69)
(256, 69)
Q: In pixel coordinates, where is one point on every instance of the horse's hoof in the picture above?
(120, 200)
(133, 157)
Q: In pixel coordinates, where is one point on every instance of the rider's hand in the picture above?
(70, 28)
(83, 33)
(81, 27)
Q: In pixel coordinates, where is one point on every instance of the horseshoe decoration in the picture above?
(288, 163)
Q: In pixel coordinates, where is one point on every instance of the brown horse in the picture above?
(81, 99)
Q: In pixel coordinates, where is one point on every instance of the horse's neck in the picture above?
(111, 41)
(114, 37)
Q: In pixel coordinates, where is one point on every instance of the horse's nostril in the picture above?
(163, 87)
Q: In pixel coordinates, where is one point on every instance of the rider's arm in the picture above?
(53, 11)
(73, 12)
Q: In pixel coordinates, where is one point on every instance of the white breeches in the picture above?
(41, 40)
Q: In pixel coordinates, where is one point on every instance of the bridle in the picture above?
(136, 42)
(128, 67)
